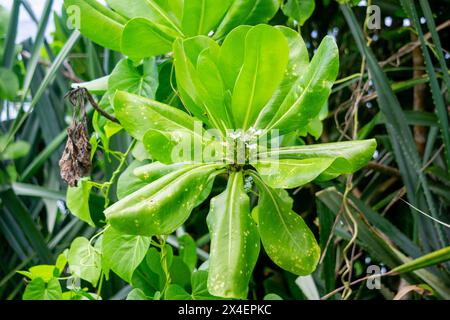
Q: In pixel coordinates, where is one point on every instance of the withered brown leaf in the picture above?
(75, 162)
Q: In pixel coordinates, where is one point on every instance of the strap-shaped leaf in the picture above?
(137, 115)
(163, 205)
(144, 38)
(203, 16)
(232, 54)
(198, 79)
(159, 11)
(91, 17)
(298, 64)
(291, 173)
(234, 241)
(285, 236)
(181, 146)
(311, 91)
(249, 12)
(266, 56)
(155, 170)
(212, 88)
(346, 157)
(145, 28)
(128, 182)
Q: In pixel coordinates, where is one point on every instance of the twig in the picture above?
(383, 168)
(94, 104)
(411, 46)
(68, 73)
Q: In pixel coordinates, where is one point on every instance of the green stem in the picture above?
(116, 173)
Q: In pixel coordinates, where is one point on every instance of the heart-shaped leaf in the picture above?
(123, 253)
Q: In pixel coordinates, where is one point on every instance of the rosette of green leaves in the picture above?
(261, 79)
(145, 28)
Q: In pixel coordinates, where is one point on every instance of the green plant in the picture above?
(216, 153)
(257, 84)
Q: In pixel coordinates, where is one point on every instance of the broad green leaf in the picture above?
(179, 272)
(199, 281)
(128, 182)
(291, 173)
(299, 10)
(139, 152)
(61, 262)
(137, 115)
(77, 200)
(137, 294)
(298, 63)
(84, 260)
(348, 157)
(212, 89)
(188, 251)
(38, 289)
(234, 241)
(315, 126)
(91, 17)
(154, 260)
(272, 296)
(150, 276)
(203, 16)
(170, 147)
(15, 150)
(153, 25)
(123, 253)
(9, 84)
(246, 12)
(163, 205)
(166, 12)
(183, 146)
(231, 57)
(310, 92)
(145, 278)
(71, 295)
(190, 70)
(285, 236)
(199, 284)
(266, 57)
(143, 38)
(155, 170)
(141, 80)
(45, 272)
(176, 292)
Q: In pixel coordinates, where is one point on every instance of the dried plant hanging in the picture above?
(75, 162)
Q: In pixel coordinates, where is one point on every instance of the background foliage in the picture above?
(393, 85)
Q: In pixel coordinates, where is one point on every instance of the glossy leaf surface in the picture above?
(234, 241)
(285, 236)
(163, 205)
